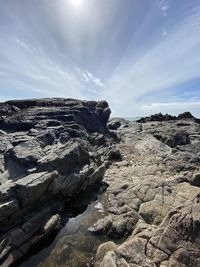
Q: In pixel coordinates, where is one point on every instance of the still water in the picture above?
(74, 245)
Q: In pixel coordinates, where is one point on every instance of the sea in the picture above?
(128, 118)
(132, 118)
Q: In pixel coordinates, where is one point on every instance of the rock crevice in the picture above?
(153, 195)
(51, 150)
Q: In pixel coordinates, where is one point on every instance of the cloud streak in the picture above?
(121, 52)
(171, 61)
(87, 76)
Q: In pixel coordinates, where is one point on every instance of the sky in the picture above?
(142, 56)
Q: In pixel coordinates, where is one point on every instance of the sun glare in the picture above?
(76, 3)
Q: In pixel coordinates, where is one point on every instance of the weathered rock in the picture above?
(116, 225)
(8, 208)
(62, 147)
(52, 224)
(158, 180)
(104, 249)
(32, 187)
(116, 123)
(173, 140)
(157, 117)
(47, 155)
(186, 115)
(174, 243)
(196, 179)
(160, 117)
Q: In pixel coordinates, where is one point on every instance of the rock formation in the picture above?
(153, 198)
(160, 117)
(50, 150)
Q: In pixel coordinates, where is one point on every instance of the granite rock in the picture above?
(155, 191)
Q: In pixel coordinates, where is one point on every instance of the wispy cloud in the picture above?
(121, 51)
(96, 80)
(164, 7)
(170, 62)
(87, 76)
(22, 44)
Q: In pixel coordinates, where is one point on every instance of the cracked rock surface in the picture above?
(50, 151)
(153, 198)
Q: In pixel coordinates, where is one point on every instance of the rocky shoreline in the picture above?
(51, 150)
(153, 198)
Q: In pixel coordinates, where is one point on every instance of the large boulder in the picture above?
(67, 157)
(186, 115)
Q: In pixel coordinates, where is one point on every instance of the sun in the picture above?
(76, 3)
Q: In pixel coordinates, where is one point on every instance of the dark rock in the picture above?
(114, 125)
(102, 104)
(16, 124)
(47, 138)
(32, 187)
(64, 137)
(64, 159)
(173, 140)
(160, 117)
(157, 117)
(196, 179)
(186, 115)
(51, 149)
(114, 155)
(26, 153)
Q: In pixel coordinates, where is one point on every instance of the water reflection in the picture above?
(74, 245)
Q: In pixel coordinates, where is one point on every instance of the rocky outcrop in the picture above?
(50, 150)
(153, 197)
(160, 117)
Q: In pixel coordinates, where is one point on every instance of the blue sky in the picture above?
(142, 56)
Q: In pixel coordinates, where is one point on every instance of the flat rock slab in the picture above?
(157, 180)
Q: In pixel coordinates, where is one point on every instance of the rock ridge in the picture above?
(50, 151)
(167, 117)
